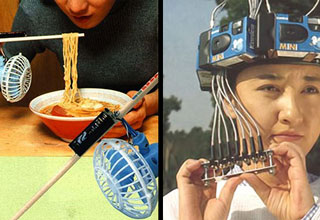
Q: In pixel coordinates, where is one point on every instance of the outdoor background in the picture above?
(188, 110)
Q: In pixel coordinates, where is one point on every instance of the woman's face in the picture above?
(85, 14)
(284, 99)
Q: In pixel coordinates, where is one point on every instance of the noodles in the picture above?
(72, 104)
(70, 54)
(96, 108)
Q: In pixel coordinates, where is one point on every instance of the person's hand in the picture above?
(135, 117)
(196, 201)
(145, 107)
(291, 197)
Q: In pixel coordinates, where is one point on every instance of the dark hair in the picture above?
(232, 78)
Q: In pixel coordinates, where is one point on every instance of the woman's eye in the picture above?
(269, 88)
(311, 90)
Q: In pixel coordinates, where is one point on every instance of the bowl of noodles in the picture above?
(68, 121)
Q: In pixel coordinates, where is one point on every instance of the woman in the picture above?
(284, 101)
(119, 50)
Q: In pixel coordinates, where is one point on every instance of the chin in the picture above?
(84, 26)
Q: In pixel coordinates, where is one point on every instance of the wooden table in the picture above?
(23, 134)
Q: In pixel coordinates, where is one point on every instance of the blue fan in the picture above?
(15, 77)
(126, 176)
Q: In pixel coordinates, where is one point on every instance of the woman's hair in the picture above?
(232, 78)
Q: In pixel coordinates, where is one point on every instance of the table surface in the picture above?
(23, 134)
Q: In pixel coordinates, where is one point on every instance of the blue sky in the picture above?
(183, 21)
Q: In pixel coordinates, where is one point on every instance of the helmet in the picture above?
(260, 37)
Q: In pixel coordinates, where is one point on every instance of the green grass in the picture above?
(75, 196)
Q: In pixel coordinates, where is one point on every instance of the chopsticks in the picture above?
(46, 37)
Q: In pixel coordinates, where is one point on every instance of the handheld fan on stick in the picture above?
(125, 175)
(89, 136)
(16, 74)
(15, 78)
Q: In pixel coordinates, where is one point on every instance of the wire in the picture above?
(250, 7)
(239, 113)
(247, 113)
(214, 11)
(219, 128)
(214, 124)
(314, 7)
(257, 10)
(268, 6)
(221, 103)
(213, 131)
(220, 112)
(226, 109)
(233, 108)
(129, 129)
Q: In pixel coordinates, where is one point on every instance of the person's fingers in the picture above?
(118, 130)
(188, 167)
(287, 147)
(136, 126)
(228, 190)
(190, 172)
(296, 170)
(258, 185)
(135, 116)
(292, 153)
(131, 94)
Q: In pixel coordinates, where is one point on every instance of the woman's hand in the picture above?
(291, 197)
(145, 107)
(196, 201)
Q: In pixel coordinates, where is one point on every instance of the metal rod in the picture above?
(227, 176)
(30, 38)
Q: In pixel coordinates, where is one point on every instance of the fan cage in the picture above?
(134, 194)
(16, 78)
